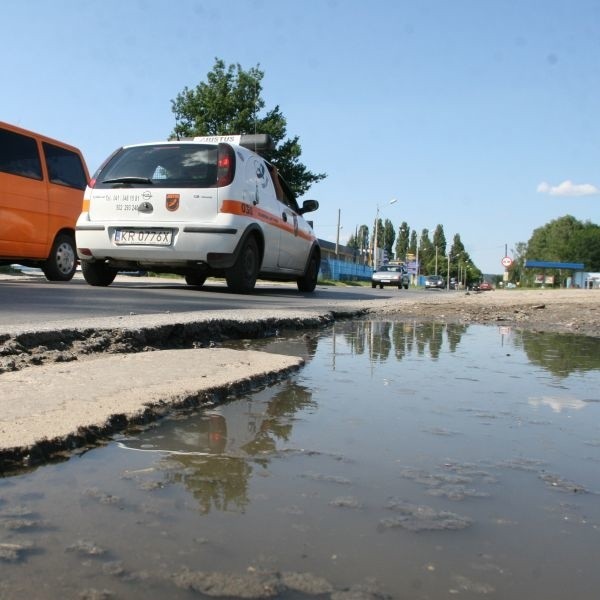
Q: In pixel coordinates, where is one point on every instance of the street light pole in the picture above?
(337, 237)
(392, 201)
(375, 238)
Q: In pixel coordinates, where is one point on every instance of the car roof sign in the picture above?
(257, 142)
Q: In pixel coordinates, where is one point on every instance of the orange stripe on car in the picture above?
(236, 207)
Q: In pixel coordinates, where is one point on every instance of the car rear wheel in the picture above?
(308, 282)
(62, 262)
(241, 278)
(373, 285)
(98, 273)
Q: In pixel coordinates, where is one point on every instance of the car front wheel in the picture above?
(62, 262)
(98, 274)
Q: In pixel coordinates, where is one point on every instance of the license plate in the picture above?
(143, 237)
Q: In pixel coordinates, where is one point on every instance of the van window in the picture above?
(169, 165)
(19, 155)
(64, 167)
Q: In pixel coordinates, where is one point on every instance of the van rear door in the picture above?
(23, 197)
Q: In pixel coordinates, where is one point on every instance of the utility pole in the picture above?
(337, 237)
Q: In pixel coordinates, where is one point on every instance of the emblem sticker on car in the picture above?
(172, 202)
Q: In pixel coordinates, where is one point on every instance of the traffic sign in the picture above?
(507, 261)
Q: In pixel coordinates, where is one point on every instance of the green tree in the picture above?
(389, 235)
(566, 239)
(359, 240)
(412, 246)
(461, 265)
(438, 264)
(552, 241)
(230, 102)
(517, 272)
(585, 246)
(426, 252)
(403, 241)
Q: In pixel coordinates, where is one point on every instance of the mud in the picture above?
(567, 311)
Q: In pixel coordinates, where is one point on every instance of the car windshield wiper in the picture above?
(129, 180)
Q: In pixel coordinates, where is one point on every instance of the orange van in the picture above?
(41, 190)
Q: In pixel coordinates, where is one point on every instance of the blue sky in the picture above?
(480, 115)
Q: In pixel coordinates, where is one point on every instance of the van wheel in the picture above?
(241, 278)
(308, 282)
(62, 262)
(195, 279)
(98, 273)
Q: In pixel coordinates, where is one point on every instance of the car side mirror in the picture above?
(309, 206)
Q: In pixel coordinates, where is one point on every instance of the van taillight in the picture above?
(225, 165)
(92, 182)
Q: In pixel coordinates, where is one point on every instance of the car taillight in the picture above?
(225, 165)
(92, 182)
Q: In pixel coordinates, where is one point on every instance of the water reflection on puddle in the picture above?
(403, 461)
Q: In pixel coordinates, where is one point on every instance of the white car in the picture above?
(207, 206)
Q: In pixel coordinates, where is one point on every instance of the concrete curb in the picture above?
(55, 408)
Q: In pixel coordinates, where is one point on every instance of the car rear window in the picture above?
(164, 165)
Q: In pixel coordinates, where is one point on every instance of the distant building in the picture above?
(586, 280)
(342, 263)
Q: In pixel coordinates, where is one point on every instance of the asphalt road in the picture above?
(30, 299)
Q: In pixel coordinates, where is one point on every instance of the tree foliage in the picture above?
(566, 240)
(359, 240)
(229, 102)
(389, 236)
(412, 245)
(403, 241)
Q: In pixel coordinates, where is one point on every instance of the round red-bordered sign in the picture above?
(506, 261)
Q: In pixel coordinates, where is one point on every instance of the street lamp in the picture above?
(418, 268)
(392, 201)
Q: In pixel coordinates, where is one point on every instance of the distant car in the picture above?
(485, 286)
(395, 275)
(434, 282)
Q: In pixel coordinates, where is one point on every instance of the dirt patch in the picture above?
(568, 311)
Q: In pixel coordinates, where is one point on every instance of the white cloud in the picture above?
(568, 188)
(557, 404)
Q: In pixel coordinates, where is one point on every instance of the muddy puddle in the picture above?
(405, 460)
